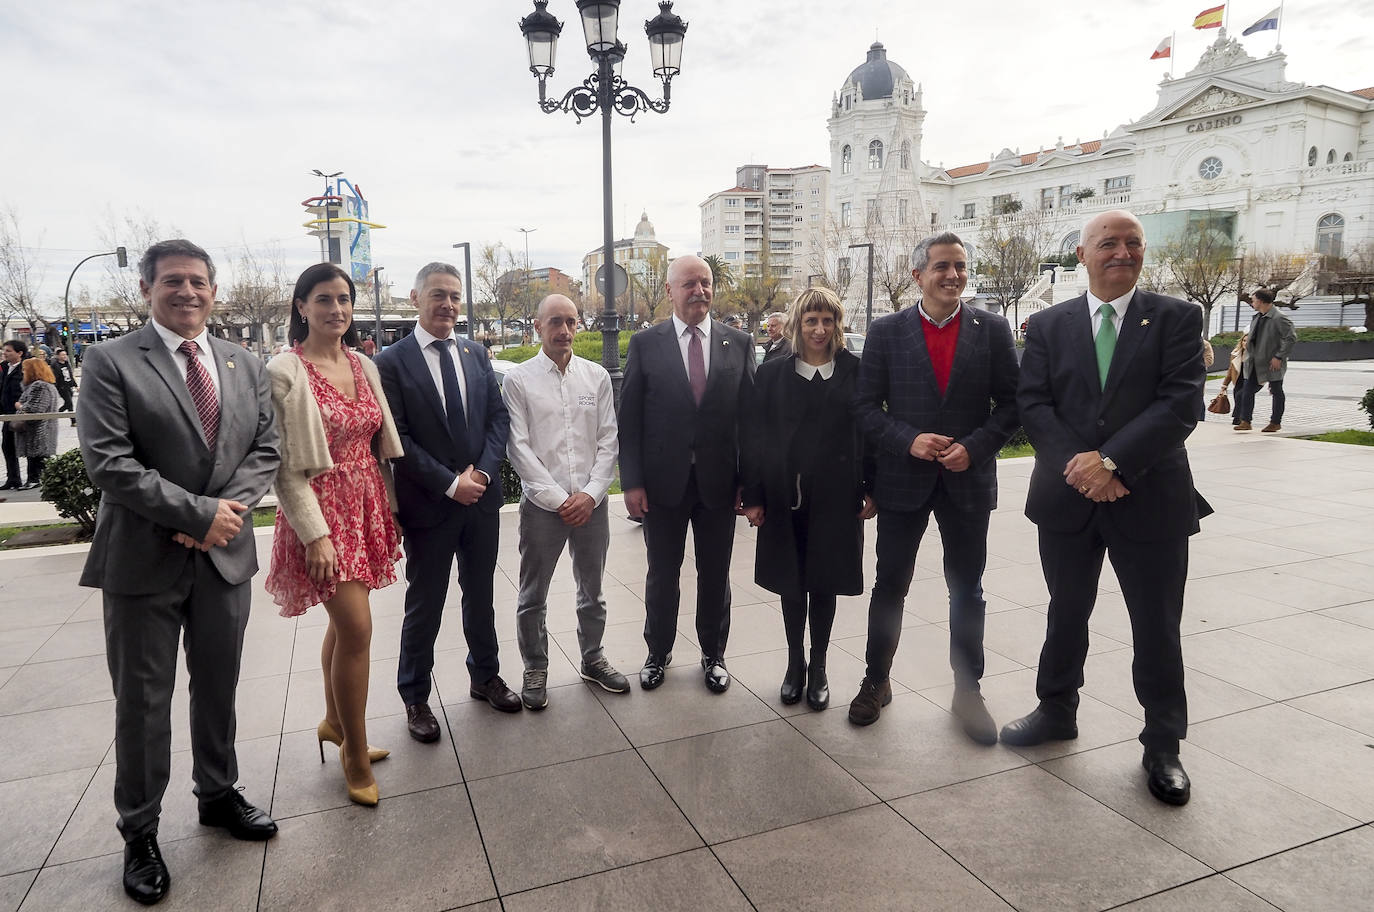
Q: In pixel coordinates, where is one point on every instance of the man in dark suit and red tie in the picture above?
(937, 399)
(453, 425)
(1109, 389)
(688, 385)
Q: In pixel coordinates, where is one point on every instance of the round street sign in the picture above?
(620, 281)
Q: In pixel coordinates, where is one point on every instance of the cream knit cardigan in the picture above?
(305, 448)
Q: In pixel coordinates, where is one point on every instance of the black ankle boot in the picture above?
(817, 688)
(793, 682)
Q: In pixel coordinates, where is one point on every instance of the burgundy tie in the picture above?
(202, 391)
(696, 364)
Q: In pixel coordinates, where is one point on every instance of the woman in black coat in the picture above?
(807, 485)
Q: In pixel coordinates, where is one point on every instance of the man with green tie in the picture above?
(1108, 394)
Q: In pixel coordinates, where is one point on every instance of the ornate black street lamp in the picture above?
(605, 91)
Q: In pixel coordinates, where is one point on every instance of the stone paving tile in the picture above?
(49, 685)
(1361, 614)
(1332, 875)
(35, 810)
(546, 825)
(1213, 894)
(1108, 678)
(762, 674)
(13, 888)
(52, 740)
(210, 872)
(1351, 706)
(868, 859)
(1235, 816)
(681, 706)
(691, 880)
(1326, 638)
(368, 858)
(773, 777)
(914, 746)
(1262, 667)
(1003, 829)
(574, 725)
(1309, 755)
(18, 645)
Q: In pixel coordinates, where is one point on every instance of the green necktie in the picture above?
(1106, 342)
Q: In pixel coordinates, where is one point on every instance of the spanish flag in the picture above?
(1209, 18)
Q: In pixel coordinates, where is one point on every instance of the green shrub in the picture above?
(511, 488)
(1367, 404)
(67, 487)
(1305, 334)
(585, 345)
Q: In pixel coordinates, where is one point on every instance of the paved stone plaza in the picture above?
(678, 799)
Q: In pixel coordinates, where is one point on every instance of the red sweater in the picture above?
(940, 343)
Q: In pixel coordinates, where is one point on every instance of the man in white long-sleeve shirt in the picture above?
(563, 445)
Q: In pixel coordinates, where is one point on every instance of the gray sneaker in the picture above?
(534, 693)
(601, 672)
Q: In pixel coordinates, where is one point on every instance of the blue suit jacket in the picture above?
(432, 456)
(898, 399)
(1140, 419)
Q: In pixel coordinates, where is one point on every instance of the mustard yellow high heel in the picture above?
(367, 796)
(326, 732)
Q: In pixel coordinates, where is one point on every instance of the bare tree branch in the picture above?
(20, 278)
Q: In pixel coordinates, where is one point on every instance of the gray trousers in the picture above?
(141, 635)
(542, 537)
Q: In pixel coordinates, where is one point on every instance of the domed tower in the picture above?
(875, 165)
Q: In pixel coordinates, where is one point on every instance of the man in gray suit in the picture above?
(178, 433)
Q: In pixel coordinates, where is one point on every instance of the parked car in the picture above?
(502, 368)
(855, 343)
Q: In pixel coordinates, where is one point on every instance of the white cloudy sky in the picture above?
(211, 117)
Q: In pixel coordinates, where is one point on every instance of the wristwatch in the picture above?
(1108, 463)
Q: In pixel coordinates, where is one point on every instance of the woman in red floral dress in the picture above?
(335, 538)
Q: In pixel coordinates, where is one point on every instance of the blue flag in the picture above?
(1269, 21)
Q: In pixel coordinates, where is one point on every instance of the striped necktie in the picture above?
(202, 390)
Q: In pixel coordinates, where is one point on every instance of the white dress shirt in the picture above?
(425, 340)
(683, 339)
(939, 324)
(562, 429)
(204, 356)
(1119, 306)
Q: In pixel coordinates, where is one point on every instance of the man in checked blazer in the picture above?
(179, 434)
(1109, 389)
(937, 399)
(688, 385)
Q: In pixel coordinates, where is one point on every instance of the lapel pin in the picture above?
(725, 342)
(229, 364)
(1144, 322)
(976, 323)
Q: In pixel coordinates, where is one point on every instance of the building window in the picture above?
(970, 210)
(1066, 196)
(875, 155)
(846, 159)
(873, 215)
(1004, 204)
(1210, 169)
(1070, 243)
(815, 216)
(732, 202)
(1330, 231)
(901, 211)
(1117, 183)
(846, 215)
(815, 191)
(732, 229)
(1331, 156)
(732, 254)
(1349, 156)
(796, 245)
(1312, 157)
(905, 160)
(1047, 199)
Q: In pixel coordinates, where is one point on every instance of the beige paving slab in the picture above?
(762, 674)
(681, 707)
(35, 810)
(868, 859)
(1351, 706)
(1107, 677)
(1235, 815)
(691, 880)
(52, 740)
(773, 777)
(13, 888)
(1332, 875)
(1262, 667)
(1213, 894)
(1326, 638)
(1003, 828)
(49, 685)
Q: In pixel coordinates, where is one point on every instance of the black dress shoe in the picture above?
(495, 692)
(1037, 728)
(422, 724)
(717, 678)
(792, 683)
(145, 874)
(817, 688)
(1167, 780)
(241, 819)
(652, 674)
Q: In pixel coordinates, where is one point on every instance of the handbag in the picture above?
(1220, 405)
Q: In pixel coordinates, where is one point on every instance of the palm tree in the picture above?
(722, 278)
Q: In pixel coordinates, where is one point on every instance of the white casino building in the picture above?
(1294, 163)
